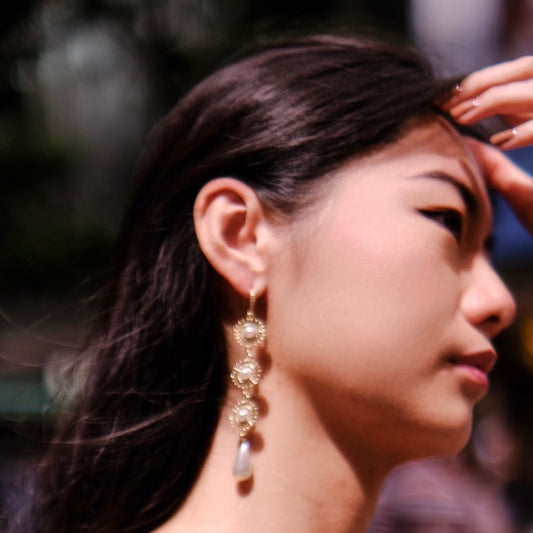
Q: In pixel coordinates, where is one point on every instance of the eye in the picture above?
(451, 219)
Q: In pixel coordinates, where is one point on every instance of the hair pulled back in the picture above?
(126, 459)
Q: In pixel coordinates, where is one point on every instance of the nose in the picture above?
(487, 302)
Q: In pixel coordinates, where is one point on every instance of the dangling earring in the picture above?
(249, 332)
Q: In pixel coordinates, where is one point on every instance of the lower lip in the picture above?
(474, 375)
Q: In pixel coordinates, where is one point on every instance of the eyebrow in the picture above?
(466, 193)
(468, 196)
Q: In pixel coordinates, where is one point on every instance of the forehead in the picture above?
(434, 138)
(426, 146)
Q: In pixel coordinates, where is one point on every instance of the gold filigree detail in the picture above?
(249, 332)
(244, 416)
(246, 375)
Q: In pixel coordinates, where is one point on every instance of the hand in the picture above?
(506, 90)
(506, 178)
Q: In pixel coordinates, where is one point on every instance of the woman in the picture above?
(301, 279)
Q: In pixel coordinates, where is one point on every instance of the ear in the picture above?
(232, 230)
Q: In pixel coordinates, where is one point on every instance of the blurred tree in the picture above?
(37, 241)
(68, 143)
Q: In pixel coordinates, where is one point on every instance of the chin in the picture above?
(449, 440)
(437, 440)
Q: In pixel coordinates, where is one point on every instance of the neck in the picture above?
(302, 482)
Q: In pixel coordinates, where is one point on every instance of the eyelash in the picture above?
(450, 219)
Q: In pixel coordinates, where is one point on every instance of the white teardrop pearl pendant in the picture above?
(242, 467)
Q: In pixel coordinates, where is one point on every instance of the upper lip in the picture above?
(484, 360)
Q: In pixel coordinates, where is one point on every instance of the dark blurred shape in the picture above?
(442, 496)
(464, 494)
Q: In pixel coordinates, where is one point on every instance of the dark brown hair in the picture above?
(128, 455)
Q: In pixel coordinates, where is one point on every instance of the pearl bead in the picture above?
(242, 468)
(249, 331)
(243, 415)
(246, 373)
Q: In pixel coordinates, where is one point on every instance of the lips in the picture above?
(483, 361)
(473, 369)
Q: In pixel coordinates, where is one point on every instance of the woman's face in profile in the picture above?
(393, 301)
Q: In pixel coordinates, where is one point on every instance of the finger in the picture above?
(515, 119)
(511, 99)
(478, 82)
(517, 137)
(506, 178)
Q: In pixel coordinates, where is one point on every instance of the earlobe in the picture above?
(229, 220)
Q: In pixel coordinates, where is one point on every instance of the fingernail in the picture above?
(503, 137)
(458, 88)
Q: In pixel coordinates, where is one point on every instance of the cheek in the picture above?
(362, 327)
(366, 299)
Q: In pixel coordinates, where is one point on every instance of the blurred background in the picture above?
(81, 84)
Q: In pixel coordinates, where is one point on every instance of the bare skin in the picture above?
(345, 402)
